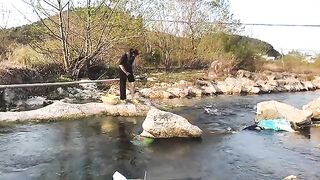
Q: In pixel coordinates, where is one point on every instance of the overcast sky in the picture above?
(248, 11)
(281, 12)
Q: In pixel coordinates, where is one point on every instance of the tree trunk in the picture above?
(88, 40)
(64, 40)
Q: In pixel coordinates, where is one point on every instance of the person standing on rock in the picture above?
(126, 72)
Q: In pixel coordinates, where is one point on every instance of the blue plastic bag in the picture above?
(276, 124)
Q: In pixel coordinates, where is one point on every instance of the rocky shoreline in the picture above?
(243, 83)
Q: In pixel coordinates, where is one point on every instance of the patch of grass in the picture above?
(173, 77)
(307, 69)
(63, 78)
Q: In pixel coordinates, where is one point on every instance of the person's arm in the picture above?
(121, 63)
(124, 69)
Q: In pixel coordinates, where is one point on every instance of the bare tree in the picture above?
(4, 15)
(85, 30)
(80, 33)
(55, 28)
(205, 16)
(225, 21)
(63, 30)
(164, 33)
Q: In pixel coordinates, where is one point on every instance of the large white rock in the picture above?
(61, 110)
(314, 107)
(253, 90)
(265, 87)
(209, 90)
(316, 82)
(308, 85)
(35, 101)
(238, 86)
(145, 92)
(153, 93)
(229, 86)
(293, 84)
(207, 87)
(161, 124)
(179, 92)
(194, 91)
(275, 110)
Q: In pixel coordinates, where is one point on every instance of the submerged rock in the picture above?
(291, 177)
(142, 141)
(277, 110)
(161, 124)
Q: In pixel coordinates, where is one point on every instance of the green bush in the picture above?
(243, 55)
(293, 60)
(235, 51)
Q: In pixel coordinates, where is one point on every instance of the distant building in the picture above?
(271, 55)
(268, 58)
(310, 58)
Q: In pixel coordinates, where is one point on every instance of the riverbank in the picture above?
(160, 86)
(242, 83)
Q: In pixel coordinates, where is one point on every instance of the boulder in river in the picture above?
(314, 107)
(161, 124)
(278, 110)
(61, 110)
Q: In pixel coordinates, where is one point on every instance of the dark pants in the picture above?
(123, 80)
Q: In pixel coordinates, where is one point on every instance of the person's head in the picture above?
(133, 52)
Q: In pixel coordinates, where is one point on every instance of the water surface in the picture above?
(95, 148)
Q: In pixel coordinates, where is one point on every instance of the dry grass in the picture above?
(9, 64)
(271, 67)
(303, 68)
(177, 76)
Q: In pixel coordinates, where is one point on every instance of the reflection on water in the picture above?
(95, 148)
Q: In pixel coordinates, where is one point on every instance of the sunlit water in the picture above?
(97, 147)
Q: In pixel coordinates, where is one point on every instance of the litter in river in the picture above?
(276, 124)
(142, 141)
(271, 124)
(118, 176)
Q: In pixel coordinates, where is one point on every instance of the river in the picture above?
(94, 148)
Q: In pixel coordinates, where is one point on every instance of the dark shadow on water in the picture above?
(305, 132)
(124, 142)
(176, 141)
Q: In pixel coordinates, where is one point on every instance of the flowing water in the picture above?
(95, 148)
